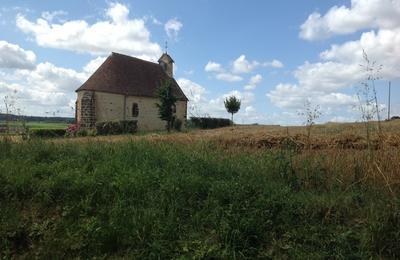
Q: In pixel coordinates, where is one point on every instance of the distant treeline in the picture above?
(11, 117)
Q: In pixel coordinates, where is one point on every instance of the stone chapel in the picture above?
(124, 88)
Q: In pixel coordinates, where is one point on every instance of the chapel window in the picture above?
(135, 110)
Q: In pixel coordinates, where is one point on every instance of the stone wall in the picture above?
(86, 109)
(148, 112)
(113, 107)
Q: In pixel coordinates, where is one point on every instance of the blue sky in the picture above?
(274, 55)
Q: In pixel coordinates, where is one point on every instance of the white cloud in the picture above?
(172, 28)
(274, 64)
(188, 72)
(93, 65)
(193, 91)
(116, 33)
(246, 97)
(382, 47)
(254, 81)
(228, 77)
(46, 90)
(293, 97)
(242, 65)
(49, 78)
(249, 110)
(362, 14)
(13, 56)
(328, 76)
(213, 67)
(49, 16)
(287, 96)
(342, 119)
(216, 108)
(339, 68)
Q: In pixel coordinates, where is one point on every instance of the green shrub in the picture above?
(209, 122)
(128, 126)
(45, 133)
(178, 125)
(91, 132)
(82, 133)
(116, 127)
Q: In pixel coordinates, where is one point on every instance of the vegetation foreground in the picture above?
(146, 199)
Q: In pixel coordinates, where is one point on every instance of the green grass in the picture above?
(145, 200)
(46, 125)
(39, 125)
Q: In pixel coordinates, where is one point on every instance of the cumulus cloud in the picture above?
(13, 56)
(254, 81)
(249, 109)
(213, 67)
(215, 107)
(274, 63)
(46, 90)
(193, 91)
(41, 89)
(327, 76)
(172, 28)
(246, 98)
(49, 16)
(293, 97)
(339, 67)
(362, 14)
(93, 65)
(117, 33)
(382, 46)
(242, 65)
(228, 77)
(239, 66)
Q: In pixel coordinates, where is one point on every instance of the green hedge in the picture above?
(43, 133)
(116, 127)
(209, 122)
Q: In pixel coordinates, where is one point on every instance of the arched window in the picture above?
(173, 108)
(135, 110)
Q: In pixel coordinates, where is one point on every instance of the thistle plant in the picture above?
(311, 114)
(367, 95)
(9, 102)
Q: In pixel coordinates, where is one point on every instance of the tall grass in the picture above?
(163, 200)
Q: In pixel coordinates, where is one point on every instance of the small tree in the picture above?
(232, 105)
(166, 104)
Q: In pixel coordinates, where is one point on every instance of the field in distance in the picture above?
(324, 136)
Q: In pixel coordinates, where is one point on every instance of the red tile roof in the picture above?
(125, 75)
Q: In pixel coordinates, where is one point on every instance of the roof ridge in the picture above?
(133, 58)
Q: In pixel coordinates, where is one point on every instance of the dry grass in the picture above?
(326, 136)
(339, 150)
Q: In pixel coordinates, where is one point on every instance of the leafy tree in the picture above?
(166, 104)
(232, 105)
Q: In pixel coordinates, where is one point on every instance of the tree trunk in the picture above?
(169, 126)
(232, 119)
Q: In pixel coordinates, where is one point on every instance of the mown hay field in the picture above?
(231, 193)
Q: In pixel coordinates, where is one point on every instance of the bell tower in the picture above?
(167, 63)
